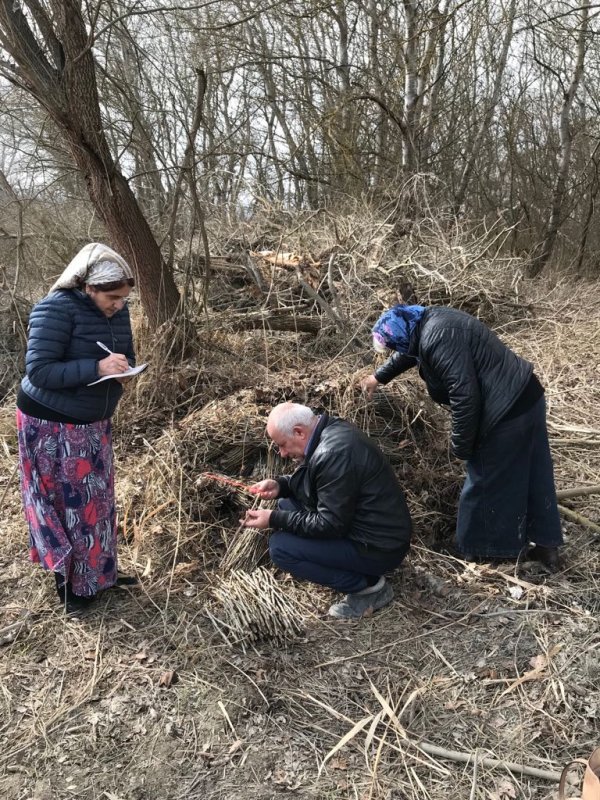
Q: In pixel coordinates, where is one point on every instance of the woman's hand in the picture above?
(369, 386)
(114, 363)
(256, 518)
(268, 489)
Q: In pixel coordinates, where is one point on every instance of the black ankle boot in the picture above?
(127, 580)
(72, 602)
(548, 556)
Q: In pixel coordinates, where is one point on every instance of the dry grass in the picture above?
(144, 698)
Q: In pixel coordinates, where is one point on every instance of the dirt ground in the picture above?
(141, 699)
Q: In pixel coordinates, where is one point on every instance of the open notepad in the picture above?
(127, 374)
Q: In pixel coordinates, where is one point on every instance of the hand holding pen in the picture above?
(113, 364)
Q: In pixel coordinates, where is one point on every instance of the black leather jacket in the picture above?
(348, 490)
(466, 366)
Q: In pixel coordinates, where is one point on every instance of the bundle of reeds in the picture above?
(248, 546)
(251, 606)
(247, 550)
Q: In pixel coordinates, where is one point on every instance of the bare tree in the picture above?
(50, 57)
(566, 144)
(486, 116)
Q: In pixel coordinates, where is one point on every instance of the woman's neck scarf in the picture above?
(394, 328)
(94, 264)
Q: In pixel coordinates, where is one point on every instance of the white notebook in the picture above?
(127, 374)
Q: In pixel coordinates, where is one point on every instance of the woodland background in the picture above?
(279, 173)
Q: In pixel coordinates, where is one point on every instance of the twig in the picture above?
(577, 491)
(321, 302)
(511, 766)
(224, 479)
(474, 780)
(5, 492)
(575, 516)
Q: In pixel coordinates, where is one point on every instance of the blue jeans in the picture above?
(509, 498)
(336, 563)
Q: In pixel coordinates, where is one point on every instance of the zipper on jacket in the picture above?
(113, 342)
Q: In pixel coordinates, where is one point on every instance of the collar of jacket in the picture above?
(415, 339)
(321, 424)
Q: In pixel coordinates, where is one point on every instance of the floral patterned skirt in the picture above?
(67, 484)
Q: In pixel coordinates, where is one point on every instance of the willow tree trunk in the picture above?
(53, 62)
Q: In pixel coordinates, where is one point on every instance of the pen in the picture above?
(105, 348)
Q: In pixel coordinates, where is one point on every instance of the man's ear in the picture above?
(298, 430)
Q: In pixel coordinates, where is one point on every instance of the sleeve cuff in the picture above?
(279, 520)
(284, 486)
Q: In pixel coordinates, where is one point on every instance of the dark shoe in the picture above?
(70, 601)
(77, 606)
(548, 556)
(127, 580)
(355, 606)
(62, 587)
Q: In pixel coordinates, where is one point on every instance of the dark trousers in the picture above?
(336, 563)
(509, 499)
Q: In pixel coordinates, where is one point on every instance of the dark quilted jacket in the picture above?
(62, 355)
(348, 489)
(466, 366)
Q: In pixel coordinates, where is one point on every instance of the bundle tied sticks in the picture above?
(250, 604)
(249, 546)
(213, 476)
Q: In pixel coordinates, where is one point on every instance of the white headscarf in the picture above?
(94, 264)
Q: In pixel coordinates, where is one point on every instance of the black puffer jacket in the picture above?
(348, 489)
(465, 365)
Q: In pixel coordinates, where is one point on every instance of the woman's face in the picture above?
(109, 302)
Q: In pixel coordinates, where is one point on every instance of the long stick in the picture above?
(511, 766)
(579, 518)
(577, 491)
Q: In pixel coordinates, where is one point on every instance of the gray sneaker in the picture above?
(355, 606)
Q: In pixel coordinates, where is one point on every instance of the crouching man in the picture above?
(342, 520)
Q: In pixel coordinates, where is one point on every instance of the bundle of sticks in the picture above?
(252, 606)
(248, 547)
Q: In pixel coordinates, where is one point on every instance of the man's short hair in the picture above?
(288, 415)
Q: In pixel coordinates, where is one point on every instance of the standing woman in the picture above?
(64, 424)
(508, 506)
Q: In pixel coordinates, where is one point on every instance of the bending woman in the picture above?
(508, 501)
(64, 424)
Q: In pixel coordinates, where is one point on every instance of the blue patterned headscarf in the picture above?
(395, 326)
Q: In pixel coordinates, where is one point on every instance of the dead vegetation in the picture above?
(477, 682)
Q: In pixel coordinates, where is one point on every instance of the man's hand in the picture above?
(369, 385)
(268, 489)
(257, 517)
